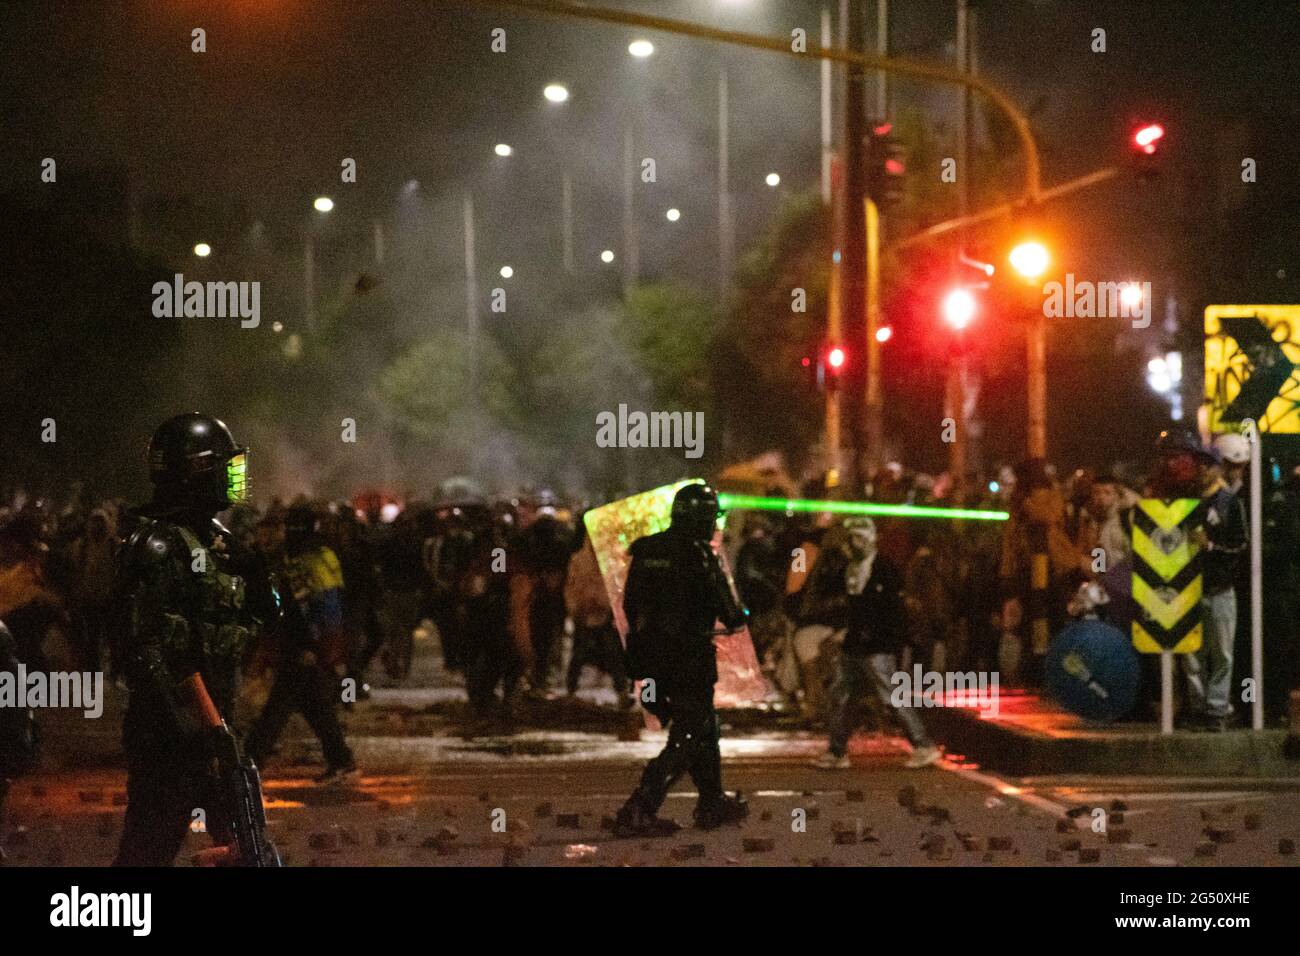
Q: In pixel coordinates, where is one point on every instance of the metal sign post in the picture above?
(1252, 383)
(1256, 575)
(1167, 587)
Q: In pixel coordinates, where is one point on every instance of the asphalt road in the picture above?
(435, 793)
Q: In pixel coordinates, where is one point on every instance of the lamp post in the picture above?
(1030, 260)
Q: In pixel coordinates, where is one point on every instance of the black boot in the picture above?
(721, 811)
(633, 820)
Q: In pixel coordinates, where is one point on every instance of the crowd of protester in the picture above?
(517, 601)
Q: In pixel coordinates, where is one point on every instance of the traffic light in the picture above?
(1145, 144)
(959, 308)
(1030, 259)
(835, 361)
(886, 166)
(828, 369)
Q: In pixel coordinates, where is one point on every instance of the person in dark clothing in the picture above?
(18, 733)
(543, 549)
(676, 590)
(190, 600)
(875, 631)
(361, 596)
(402, 578)
(312, 651)
(1224, 539)
(481, 590)
(445, 554)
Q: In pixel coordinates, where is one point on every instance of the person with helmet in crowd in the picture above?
(542, 550)
(676, 591)
(482, 595)
(1187, 469)
(874, 613)
(190, 600)
(1281, 548)
(1234, 452)
(312, 652)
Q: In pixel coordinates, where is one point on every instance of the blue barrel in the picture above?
(1093, 671)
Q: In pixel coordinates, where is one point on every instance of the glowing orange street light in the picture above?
(1030, 259)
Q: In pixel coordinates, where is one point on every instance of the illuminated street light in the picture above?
(1130, 296)
(323, 204)
(959, 308)
(884, 334)
(507, 272)
(202, 250)
(1030, 259)
(641, 48)
(607, 256)
(773, 179)
(556, 92)
(835, 358)
(673, 214)
(503, 149)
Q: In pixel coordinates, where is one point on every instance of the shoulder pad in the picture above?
(152, 544)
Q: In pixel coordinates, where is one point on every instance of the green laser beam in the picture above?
(730, 502)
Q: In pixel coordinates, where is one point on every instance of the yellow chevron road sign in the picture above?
(1167, 575)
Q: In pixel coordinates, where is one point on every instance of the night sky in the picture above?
(251, 130)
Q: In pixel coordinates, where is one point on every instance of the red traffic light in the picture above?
(1146, 138)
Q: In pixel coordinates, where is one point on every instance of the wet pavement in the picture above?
(439, 791)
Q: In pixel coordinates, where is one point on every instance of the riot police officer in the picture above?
(190, 601)
(676, 591)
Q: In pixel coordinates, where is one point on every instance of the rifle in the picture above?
(239, 787)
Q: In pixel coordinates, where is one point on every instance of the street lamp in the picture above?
(323, 204)
(673, 214)
(202, 250)
(607, 256)
(556, 92)
(503, 149)
(773, 179)
(641, 48)
(507, 272)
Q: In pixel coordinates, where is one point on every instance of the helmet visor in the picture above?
(237, 477)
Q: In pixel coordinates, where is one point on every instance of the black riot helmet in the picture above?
(194, 463)
(695, 511)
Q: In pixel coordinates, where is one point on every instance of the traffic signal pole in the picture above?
(859, 62)
(854, 269)
(875, 400)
